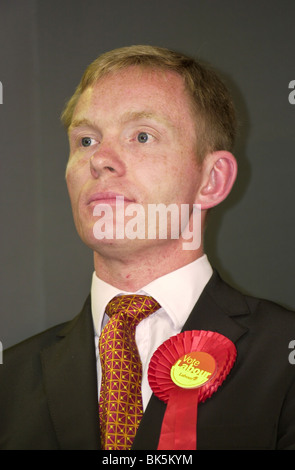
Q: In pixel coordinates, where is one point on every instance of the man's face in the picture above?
(132, 135)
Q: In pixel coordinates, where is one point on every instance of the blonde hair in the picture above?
(210, 99)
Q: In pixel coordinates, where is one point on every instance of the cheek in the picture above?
(74, 185)
(75, 174)
(187, 181)
(77, 163)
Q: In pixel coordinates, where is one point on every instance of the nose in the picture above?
(106, 161)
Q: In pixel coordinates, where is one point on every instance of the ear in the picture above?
(219, 171)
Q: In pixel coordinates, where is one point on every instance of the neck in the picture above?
(131, 271)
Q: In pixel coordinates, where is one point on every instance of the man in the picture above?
(150, 127)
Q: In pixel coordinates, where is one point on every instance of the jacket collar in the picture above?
(218, 309)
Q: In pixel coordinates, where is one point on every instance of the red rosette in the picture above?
(185, 370)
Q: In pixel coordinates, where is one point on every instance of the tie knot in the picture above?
(133, 308)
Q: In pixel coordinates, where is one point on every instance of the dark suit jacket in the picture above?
(48, 391)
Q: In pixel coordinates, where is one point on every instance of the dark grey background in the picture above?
(44, 48)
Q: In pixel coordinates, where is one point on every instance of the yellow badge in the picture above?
(193, 370)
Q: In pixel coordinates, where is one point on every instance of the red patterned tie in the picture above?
(120, 405)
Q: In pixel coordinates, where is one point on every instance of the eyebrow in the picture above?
(130, 116)
(127, 117)
(81, 123)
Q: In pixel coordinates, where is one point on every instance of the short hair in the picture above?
(210, 99)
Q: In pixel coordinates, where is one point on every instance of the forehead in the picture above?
(137, 90)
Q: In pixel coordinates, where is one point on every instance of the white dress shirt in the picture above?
(176, 292)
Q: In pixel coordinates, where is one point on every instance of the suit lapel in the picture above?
(69, 368)
(218, 309)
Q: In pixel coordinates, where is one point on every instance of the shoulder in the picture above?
(261, 317)
(274, 316)
(272, 323)
(27, 352)
(32, 345)
(234, 300)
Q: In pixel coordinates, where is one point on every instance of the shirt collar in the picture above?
(177, 292)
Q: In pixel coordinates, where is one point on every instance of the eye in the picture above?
(143, 137)
(86, 141)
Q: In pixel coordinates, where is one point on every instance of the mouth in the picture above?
(110, 198)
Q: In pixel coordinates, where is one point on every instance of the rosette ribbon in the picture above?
(184, 371)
